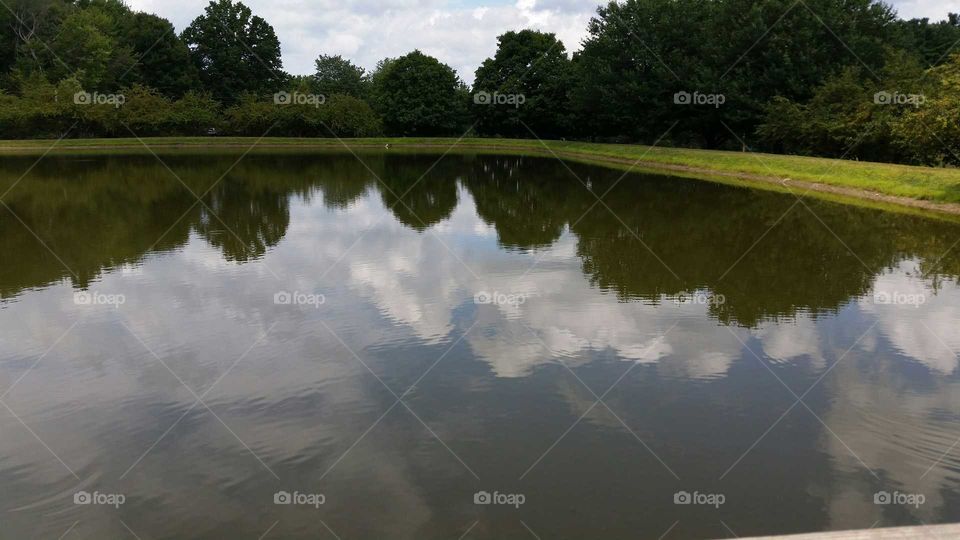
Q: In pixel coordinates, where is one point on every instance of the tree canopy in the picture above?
(162, 59)
(420, 96)
(337, 75)
(773, 75)
(534, 68)
(235, 51)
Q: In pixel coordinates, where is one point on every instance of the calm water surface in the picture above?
(395, 337)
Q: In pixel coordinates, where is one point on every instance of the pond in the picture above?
(410, 345)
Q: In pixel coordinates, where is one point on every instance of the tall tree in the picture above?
(524, 85)
(640, 53)
(336, 75)
(86, 44)
(61, 38)
(27, 26)
(418, 95)
(9, 40)
(628, 67)
(162, 59)
(374, 90)
(235, 51)
(931, 42)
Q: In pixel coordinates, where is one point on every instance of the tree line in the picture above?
(839, 79)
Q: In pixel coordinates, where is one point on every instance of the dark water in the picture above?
(486, 326)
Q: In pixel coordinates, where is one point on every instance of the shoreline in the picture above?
(671, 161)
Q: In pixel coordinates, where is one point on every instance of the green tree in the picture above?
(27, 26)
(930, 133)
(8, 45)
(851, 114)
(374, 94)
(146, 112)
(931, 42)
(85, 45)
(162, 59)
(420, 96)
(60, 39)
(37, 112)
(235, 51)
(640, 53)
(250, 116)
(348, 116)
(532, 74)
(195, 114)
(336, 75)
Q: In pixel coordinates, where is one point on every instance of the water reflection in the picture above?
(580, 298)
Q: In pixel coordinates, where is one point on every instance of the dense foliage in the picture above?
(234, 51)
(337, 75)
(535, 66)
(417, 95)
(840, 79)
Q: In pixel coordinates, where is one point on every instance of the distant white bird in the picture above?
(387, 146)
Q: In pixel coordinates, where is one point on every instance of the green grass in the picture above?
(937, 185)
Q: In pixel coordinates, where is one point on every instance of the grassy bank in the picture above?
(923, 188)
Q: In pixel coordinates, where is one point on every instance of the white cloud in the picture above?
(925, 332)
(787, 341)
(459, 34)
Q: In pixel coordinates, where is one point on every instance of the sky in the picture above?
(461, 33)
